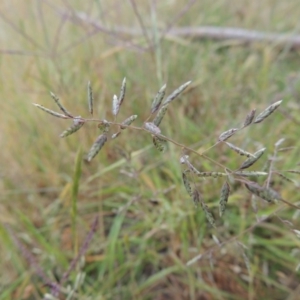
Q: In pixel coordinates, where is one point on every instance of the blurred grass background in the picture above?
(149, 228)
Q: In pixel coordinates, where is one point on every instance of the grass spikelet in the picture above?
(59, 104)
(285, 177)
(227, 134)
(99, 143)
(187, 184)
(267, 194)
(251, 160)
(209, 216)
(224, 197)
(176, 93)
(196, 196)
(115, 135)
(185, 160)
(160, 144)
(269, 110)
(51, 112)
(115, 105)
(239, 150)
(90, 98)
(158, 98)
(293, 171)
(249, 118)
(128, 121)
(212, 174)
(122, 92)
(152, 128)
(159, 116)
(77, 124)
(104, 126)
(250, 173)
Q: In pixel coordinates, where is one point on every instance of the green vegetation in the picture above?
(151, 241)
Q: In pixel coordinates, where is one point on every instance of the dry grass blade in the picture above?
(51, 112)
(104, 126)
(158, 98)
(122, 92)
(267, 194)
(269, 110)
(227, 134)
(128, 121)
(115, 105)
(77, 124)
(212, 174)
(152, 128)
(239, 150)
(160, 144)
(251, 160)
(224, 197)
(90, 98)
(249, 118)
(176, 93)
(99, 143)
(250, 173)
(187, 184)
(61, 107)
(159, 116)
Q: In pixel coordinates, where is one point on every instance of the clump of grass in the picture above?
(190, 173)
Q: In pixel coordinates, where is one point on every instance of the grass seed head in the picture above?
(227, 134)
(77, 124)
(158, 99)
(224, 197)
(176, 93)
(51, 112)
(152, 128)
(90, 98)
(253, 159)
(249, 118)
(269, 110)
(96, 147)
(267, 194)
(160, 114)
(160, 144)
